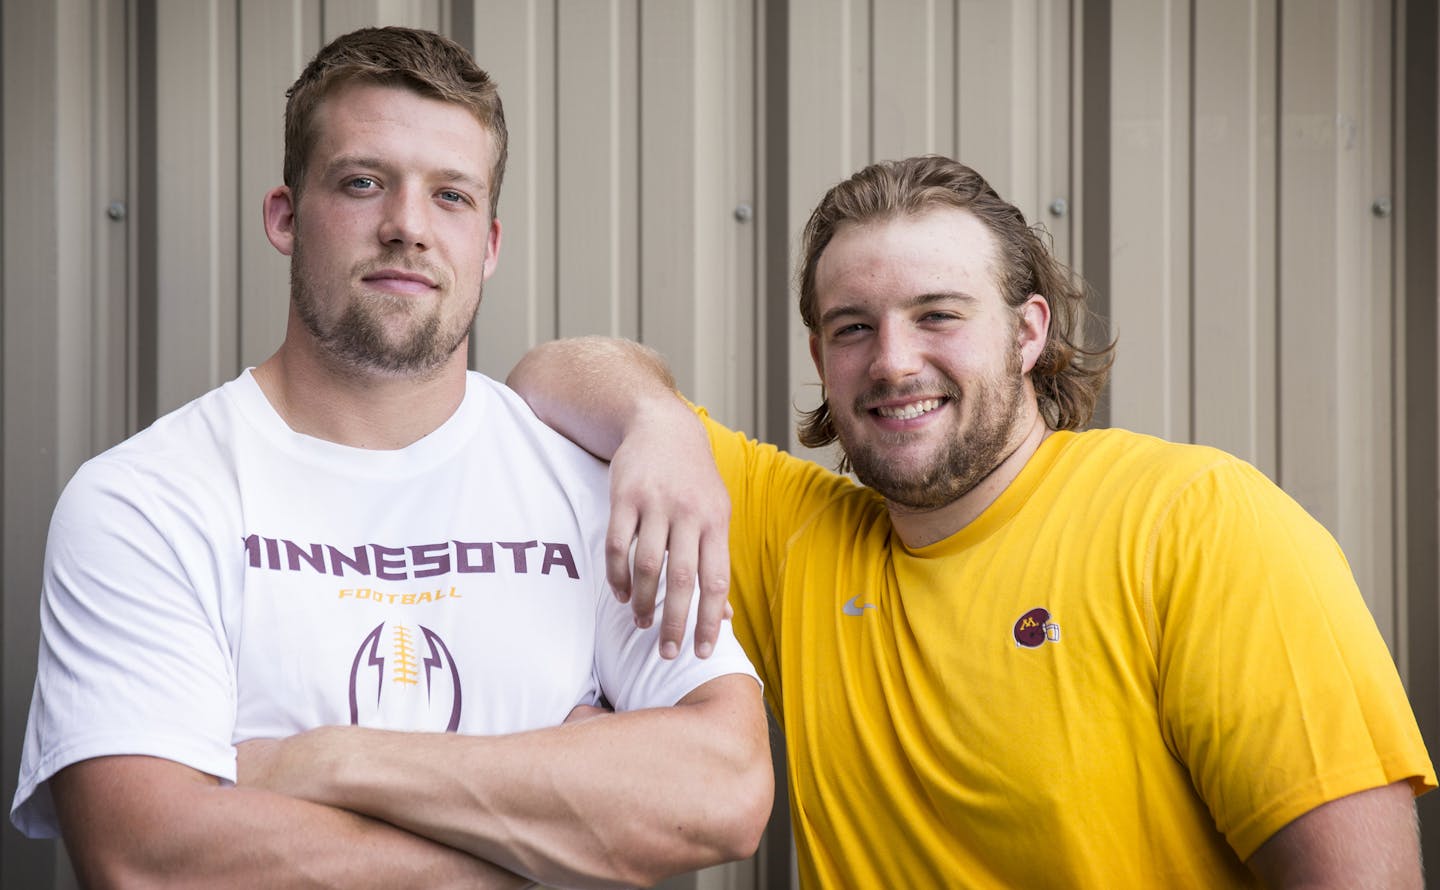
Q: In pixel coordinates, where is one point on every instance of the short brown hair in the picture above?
(433, 66)
(1068, 376)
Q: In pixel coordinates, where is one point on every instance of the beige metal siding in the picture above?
(1234, 309)
(1249, 259)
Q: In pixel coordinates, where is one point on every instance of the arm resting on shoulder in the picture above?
(132, 821)
(613, 800)
(1367, 839)
(617, 399)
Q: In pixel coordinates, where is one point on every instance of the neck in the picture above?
(920, 528)
(372, 410)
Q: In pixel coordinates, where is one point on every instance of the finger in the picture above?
(714, 591)
(679, 589)
(648, 563)
(618, 539)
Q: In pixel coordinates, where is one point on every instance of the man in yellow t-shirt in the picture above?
(1018, 655)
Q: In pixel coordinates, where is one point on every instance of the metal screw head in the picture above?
(116, 210)
(1381, 207)
(744, 212)
(1058, 207)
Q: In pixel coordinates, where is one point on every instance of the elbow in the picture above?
(741, 823)
(734, 812)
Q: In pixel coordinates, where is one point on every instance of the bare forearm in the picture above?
(618, 800)
(616, 399)
(128, 822)
(592, 389)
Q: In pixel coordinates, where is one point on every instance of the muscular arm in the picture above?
(616, 399)
(132, 821)
(618, 799)
(1369, 839)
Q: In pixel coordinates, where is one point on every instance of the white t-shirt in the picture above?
(219, 577)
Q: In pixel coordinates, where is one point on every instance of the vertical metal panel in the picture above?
(697, 289)
(1057, 196)
(1149, 249)
(194, 199)
(277, 38)
(999, 113)
(597, 113)
(1417, 342)
(1370, 483)
(31, 226)
(912, 95)
(64, 288)
(1234, 229)
(343, 16)
(515, 43)
(1334, 412)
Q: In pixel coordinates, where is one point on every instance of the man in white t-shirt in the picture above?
(344, 620)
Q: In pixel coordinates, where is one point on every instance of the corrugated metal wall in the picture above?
(1231, 174)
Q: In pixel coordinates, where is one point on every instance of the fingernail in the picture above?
(704, 649)
(668, 649)
(643, 621)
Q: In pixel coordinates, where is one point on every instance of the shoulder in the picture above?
(792, 495)
(184, 451)
(1123, 462)
(512, 436)
(508, 415)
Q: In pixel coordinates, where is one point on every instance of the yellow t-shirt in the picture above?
(1134, 667)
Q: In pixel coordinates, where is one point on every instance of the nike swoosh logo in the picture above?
(852, 607)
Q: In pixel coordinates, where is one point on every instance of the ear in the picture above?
(1034, 330)
(815, 356)
(492, 250)
(279, 211)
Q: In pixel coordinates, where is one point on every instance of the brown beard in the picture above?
(967, 458)
(357, 337)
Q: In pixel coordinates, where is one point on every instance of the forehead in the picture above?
(399, 125)
(942, 250)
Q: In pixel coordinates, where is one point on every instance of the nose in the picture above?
(406, 219)
(896, 356)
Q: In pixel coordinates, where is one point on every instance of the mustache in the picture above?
(405, 263)
(884, 392)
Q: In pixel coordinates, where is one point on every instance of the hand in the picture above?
(668, 501)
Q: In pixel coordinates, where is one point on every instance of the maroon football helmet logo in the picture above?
(1034, 628)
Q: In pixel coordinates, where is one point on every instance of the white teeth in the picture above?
(910, 411)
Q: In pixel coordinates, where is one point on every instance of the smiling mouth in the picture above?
(910, 411)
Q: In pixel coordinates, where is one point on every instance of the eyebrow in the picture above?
(925, 299)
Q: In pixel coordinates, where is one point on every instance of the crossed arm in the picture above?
(618, 799)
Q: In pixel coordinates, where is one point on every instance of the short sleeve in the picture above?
(132, 657)
(1277, 690)
(631, 672)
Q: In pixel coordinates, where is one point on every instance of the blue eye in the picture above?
(453, 197)
(360, 183)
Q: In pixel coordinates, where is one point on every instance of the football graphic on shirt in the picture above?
(1034, 628)
(403, 677)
